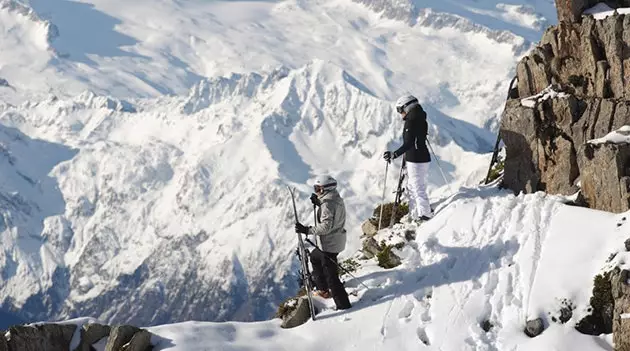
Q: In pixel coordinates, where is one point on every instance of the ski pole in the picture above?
(380, 217)
(440, 167)
(336, 263)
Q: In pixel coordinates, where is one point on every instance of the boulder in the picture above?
(369, 229)
(300, 315)
(534, 327)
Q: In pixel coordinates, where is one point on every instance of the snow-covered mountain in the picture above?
(146, 145)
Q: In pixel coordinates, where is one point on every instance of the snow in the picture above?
(546, 94)
(506, 259)
(619, 136)
(601, 10)
(625, 316)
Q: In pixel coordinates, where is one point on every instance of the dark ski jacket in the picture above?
(415, 137)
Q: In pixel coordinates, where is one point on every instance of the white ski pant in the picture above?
(419, 204)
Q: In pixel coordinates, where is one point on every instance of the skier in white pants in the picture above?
(416, 155)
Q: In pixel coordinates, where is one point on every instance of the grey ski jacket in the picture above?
(331, 218)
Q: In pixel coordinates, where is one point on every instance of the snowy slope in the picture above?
(147, 144)
(504, 259)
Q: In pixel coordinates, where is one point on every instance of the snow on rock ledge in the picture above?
(548, 93)
(619, 136)
(601, 10)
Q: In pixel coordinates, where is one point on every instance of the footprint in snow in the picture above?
(424, 297)
(422, 335)
(407, 309)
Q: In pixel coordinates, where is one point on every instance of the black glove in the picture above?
(388, 155)
(315, 200)
(299, 228)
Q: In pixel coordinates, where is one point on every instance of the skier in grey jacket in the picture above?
(331, 219)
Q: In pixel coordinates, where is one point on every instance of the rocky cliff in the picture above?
(572, 88)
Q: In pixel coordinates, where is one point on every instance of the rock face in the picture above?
(45, 337)
(621, 295)
(605, 180)
(572, 88)
(57, 337)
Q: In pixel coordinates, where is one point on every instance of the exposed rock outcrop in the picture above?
(58, 337)
(50, 337)
(572, 88)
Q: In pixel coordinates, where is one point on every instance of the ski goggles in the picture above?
(321, 188)
(401, 109)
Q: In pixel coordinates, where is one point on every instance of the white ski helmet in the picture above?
(325, 182)
(405, 101)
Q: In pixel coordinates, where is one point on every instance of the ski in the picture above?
(399, 192)
(303, 257)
